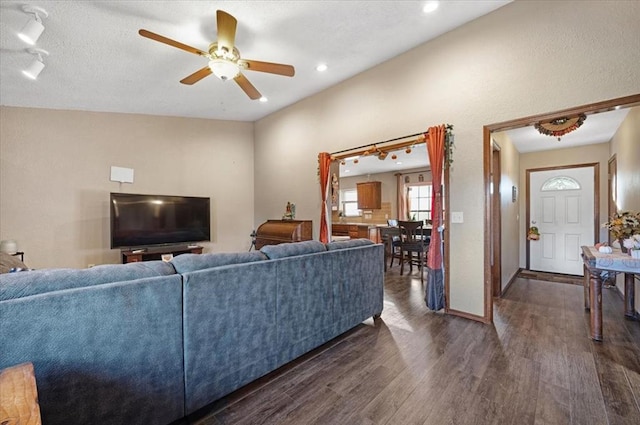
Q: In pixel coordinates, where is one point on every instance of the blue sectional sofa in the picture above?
(149, 343)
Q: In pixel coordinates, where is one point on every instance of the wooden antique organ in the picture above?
(273, 232)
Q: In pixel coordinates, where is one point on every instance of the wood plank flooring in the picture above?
(535, 365)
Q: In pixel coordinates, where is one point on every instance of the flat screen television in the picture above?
(145, 220)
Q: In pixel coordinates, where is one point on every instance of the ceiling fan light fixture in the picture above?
(34, 28)
(224, 69)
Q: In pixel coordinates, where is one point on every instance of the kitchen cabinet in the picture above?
(369, 195)
(354, 231)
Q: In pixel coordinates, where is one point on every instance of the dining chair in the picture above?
(413, 243)
(395, 241)
(391, 239)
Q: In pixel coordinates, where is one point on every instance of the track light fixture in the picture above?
(37, 65)
(33, 28)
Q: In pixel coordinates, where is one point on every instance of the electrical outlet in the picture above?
(457, 217)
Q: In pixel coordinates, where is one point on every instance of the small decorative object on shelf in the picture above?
(623, 225)
(290, 212)
(605, 249)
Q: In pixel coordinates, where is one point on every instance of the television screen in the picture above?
(143, 220)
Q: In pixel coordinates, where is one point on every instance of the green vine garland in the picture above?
(448, 145)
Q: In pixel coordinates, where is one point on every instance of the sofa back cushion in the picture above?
(23, 284)
(352, 243)
(230, 329)
(191, 262)
(103, 354)
(292, 249)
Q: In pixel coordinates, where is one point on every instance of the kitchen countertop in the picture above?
(363, 224)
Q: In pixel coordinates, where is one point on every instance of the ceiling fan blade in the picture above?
(197, 76)
(272, 68)
(226, 29)
(248, 88)
(170, 42)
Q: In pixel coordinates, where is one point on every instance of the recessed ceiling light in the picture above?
(347, 171)
(399, 163)
(322, 67)
(263, 99)
(430, 6)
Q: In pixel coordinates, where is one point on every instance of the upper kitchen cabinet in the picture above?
(369, 195)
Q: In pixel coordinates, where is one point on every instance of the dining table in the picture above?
(388, 233)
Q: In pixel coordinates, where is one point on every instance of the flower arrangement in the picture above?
(624, 224)
(632, 242)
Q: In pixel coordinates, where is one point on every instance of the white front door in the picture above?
(562, 208)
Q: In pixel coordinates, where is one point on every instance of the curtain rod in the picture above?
(371, 144)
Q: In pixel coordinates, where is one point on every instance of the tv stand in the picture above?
(156, 253)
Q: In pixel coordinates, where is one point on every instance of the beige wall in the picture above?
(559, 157)
(520, 60)
(625, 145)
(509, 211)
(55, 169)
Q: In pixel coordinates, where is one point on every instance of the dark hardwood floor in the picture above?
(535, 365)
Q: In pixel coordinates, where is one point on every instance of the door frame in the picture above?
(606, 105)
(496, 221)
(612, 189)
(596, 199)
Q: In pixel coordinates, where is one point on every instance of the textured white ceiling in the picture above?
(98, 62)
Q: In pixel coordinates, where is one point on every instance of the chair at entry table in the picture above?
(413, 242)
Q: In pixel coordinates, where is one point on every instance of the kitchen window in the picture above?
(420, 201)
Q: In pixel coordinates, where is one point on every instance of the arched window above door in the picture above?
(560, 183)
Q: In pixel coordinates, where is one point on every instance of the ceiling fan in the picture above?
(224, 58)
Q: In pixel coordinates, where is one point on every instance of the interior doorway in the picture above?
(590, 109)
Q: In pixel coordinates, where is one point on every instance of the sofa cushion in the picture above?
(352, 243)
(8, 262)
(292, 249)
(104, 354)
(17, 285)
(191, 262)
